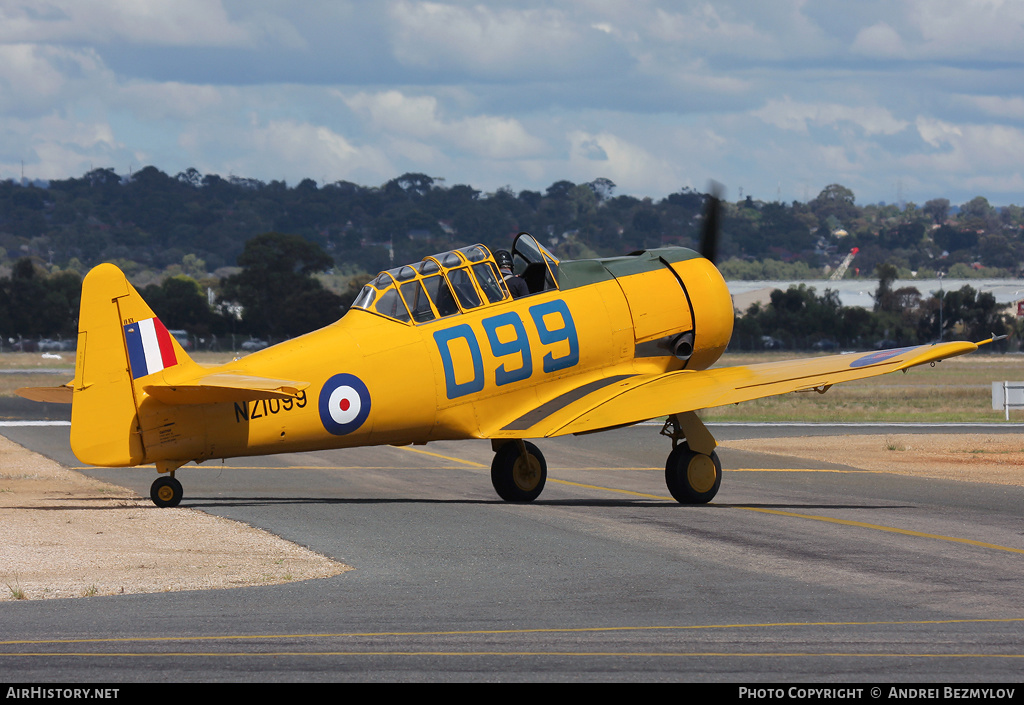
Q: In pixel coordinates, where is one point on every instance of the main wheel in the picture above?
(165, 492)
(692, 477)
(517, 477)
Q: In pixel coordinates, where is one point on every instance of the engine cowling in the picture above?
(711, 308)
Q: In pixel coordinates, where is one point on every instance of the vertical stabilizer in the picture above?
(120, 342)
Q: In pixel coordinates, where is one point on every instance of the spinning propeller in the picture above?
(712, 222)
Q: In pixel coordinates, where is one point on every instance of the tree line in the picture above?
(205, 250)
(802, 319)
(155, 220)
(276, 296)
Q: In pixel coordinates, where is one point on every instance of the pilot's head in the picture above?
(503, 259)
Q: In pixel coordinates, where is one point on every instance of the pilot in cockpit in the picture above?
(516, 286)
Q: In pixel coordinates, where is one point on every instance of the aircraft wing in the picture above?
(627, 399)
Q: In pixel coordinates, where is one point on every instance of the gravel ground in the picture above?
(64, 534)
(992, 458)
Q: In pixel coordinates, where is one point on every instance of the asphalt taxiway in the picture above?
(798, 571)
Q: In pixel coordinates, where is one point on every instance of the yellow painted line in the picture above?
(608, 489)
(821, 470)
(730, 470)
(546, 654)
(336, 467)
(889, 529)
(442, 457)
(538, 630)
(281, 467)
(829, 520)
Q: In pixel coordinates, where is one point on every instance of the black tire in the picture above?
(165, 492)
(517, 478)
(693, 478)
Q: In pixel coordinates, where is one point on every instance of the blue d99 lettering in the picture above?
(520, 346)
(548, 336)
(444, 338)
(548, 331)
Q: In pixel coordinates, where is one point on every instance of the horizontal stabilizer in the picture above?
(224, 387)
(55, 395)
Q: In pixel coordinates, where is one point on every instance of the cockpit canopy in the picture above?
(454, 282)
(441, 285)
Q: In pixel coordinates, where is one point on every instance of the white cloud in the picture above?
(632, 167)
(768, 31)
(494, 41)
(970, 149)
(1011, 107)
(34, 79)
(162, 22)
(936, 132)
(705, 25)
(172, 100)
(419, 117)
(298, 149)
(54, 147)
(879, 41)
(788, 114)
(652, 94)
(962, 28)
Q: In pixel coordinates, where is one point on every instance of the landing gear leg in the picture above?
(693, 471)
(166, 491)
(518, 471)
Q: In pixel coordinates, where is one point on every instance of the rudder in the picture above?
(120, 341)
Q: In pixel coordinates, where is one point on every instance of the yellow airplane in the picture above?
(440, 350)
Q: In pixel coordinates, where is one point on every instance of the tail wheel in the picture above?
(692, 477)
(518, 476)
(165, 492)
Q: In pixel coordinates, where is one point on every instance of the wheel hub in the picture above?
(165, 493)
(700, 473)
(526, 472)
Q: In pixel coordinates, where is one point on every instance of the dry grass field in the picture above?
(958, 389)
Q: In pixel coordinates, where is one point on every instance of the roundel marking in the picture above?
(344, 404)
(877, 357)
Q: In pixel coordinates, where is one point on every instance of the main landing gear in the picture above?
(518, 471)
(166, 491)
(693, 471)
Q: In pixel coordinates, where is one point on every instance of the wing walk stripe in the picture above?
(532, 418)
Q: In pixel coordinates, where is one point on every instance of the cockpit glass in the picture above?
(462, 282)
(441, 294)
(474, 253)
(450, 282)
(383, 281)
(527, 248)
(390, 304)
(534, 263)
(403, 273)
(487, 278)
(449, 259)
(365, 298)
(416, 298)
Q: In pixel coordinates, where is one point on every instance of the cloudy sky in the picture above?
(916, 99)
